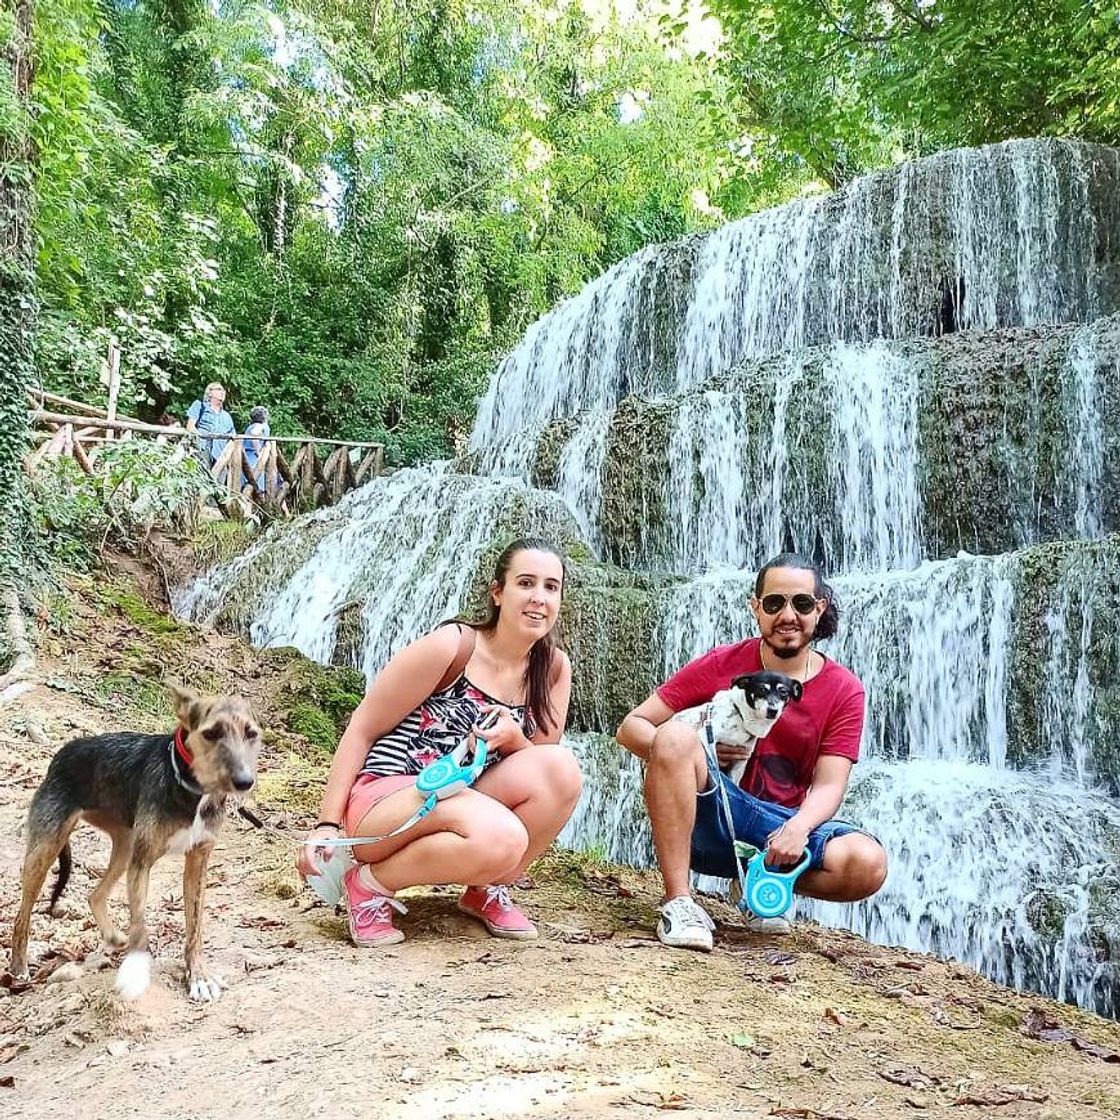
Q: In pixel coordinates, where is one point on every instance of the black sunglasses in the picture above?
(802, 603)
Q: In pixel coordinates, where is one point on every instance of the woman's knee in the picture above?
(499, 841)
(560, 773)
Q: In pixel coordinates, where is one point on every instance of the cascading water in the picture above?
(967, 240)
(401, 553)
(648, 402)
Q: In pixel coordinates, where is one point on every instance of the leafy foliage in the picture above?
(138, 485)
(344, 211)
(847, 85)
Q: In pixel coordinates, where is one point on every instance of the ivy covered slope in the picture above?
(17, 281)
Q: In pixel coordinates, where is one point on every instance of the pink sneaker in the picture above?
(493, 907)
(371, 919)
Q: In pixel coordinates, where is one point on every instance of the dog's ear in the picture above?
(795, 690)
(185, 699)
(742, 682)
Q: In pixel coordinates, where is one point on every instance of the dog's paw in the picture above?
(204, 989)
(134, 974)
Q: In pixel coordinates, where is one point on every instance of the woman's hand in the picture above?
(310, 855)
(504, 735)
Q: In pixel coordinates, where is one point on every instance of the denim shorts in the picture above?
(754, 819)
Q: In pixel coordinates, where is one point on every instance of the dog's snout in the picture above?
(243, 782)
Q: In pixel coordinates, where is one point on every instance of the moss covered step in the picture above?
(869, 457)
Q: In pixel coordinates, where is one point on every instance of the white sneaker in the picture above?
(684, 925)
(777, 927)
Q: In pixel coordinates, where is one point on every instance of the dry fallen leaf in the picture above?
(1040, 1024)
(1002, 1094)
(837, 1017)
(775, 957)
(911, 1076)
(7, 1053)
(1092, 1049)
(807, 1114)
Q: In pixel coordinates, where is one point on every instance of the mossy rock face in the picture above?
(1064, 689)
(318, 699)
(999, 432)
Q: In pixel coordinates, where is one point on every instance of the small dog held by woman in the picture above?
(152, 794)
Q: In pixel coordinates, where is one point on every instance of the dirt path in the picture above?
(593, 1020)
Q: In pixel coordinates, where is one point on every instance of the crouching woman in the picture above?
(426, 699)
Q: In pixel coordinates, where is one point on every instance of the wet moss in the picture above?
(317, 700)
(135, 608)
(314, 725)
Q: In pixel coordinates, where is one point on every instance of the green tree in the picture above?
(847, 86)
(17, 288)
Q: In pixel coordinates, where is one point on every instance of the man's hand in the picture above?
(786, 845)
(726, 754)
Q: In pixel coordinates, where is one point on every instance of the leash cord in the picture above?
(337, 841)
(709, 741)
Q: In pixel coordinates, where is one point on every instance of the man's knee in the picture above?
(674, 744)
(863, 865)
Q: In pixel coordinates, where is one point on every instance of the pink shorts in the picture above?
(367, 791)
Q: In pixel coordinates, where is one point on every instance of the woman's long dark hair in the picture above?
(538, 673)
(829, 621)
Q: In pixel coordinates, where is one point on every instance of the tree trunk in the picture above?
(17, 284)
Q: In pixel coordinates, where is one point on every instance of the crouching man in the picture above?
(796, 778)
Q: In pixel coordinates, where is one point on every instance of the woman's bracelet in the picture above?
(329, 824)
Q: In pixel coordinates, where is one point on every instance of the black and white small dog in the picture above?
(745, 712)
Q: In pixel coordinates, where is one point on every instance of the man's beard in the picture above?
(785, 653)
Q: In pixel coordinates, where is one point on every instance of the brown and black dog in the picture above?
(152, 794)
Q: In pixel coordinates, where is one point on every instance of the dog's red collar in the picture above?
(181, 748)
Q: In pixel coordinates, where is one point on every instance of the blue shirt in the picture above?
(253, 447)
(207, 420)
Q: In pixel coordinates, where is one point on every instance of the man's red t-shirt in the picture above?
(828, 719)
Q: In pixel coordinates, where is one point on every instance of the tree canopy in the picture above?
(849, 86)
(348, 210)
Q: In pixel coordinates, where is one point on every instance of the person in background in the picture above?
(254, 447)
(208, 418)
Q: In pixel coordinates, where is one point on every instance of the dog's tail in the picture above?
(64, 865)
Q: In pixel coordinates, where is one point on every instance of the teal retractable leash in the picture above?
(763, 891)
(440, 779)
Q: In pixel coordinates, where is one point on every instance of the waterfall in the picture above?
(878, 377)
(986, 866)
(401, 552)
(967, 240)
(1082, 394)
(580, 474)
(874, 397)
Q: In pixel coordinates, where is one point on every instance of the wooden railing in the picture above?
(275, 483)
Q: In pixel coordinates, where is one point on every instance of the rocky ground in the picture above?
(594, 1019)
